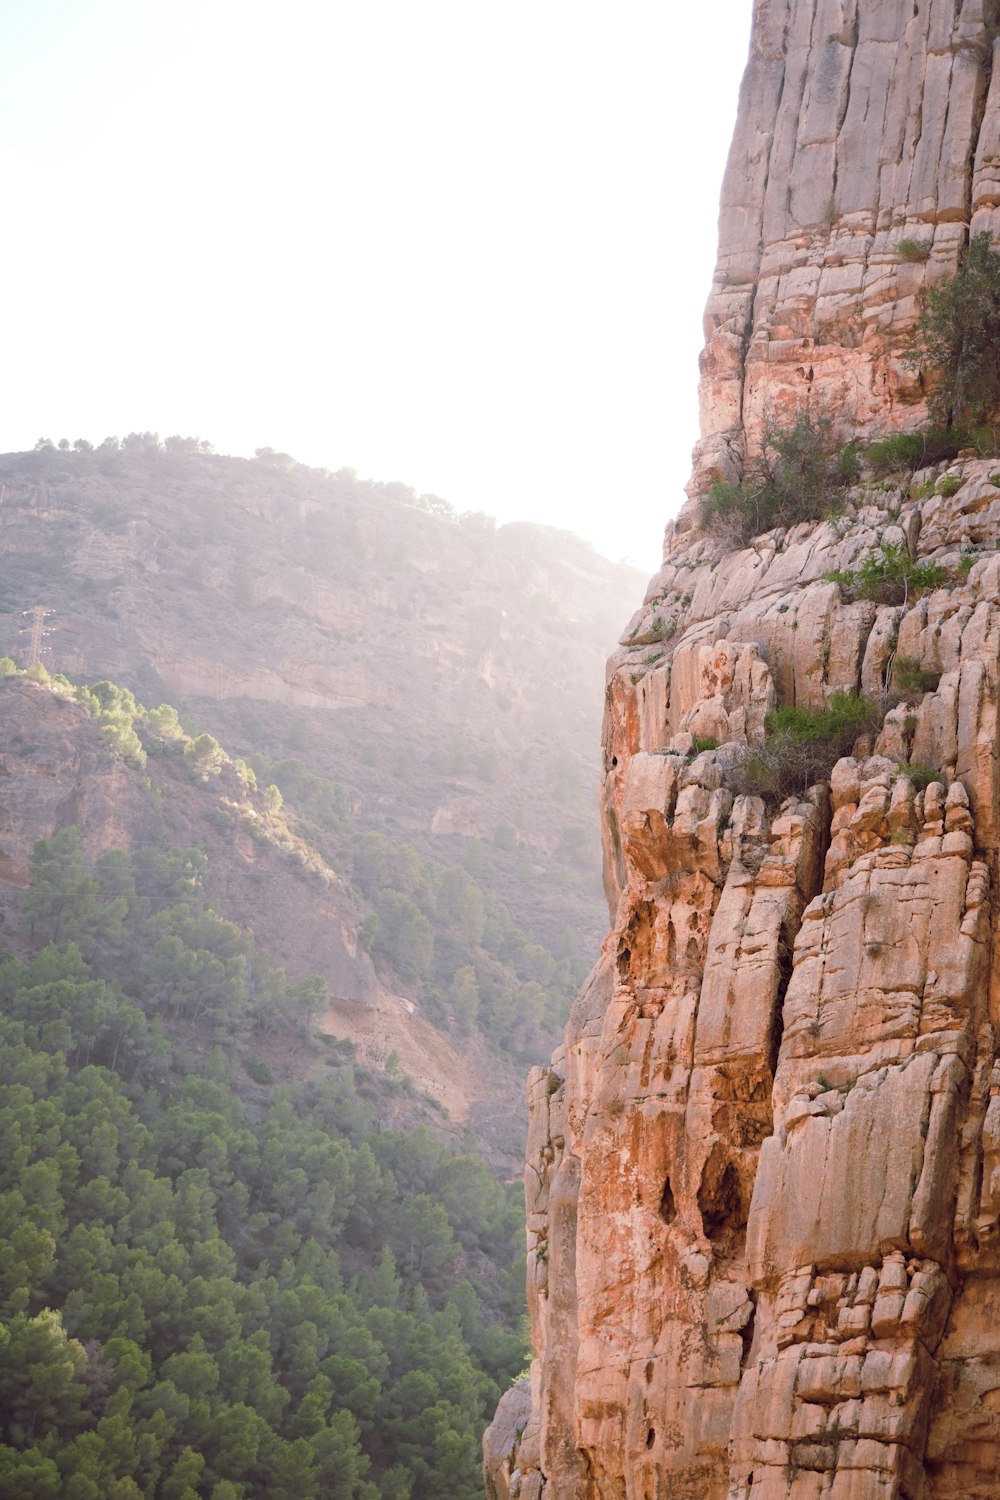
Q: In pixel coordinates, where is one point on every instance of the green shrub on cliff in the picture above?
(831, 729)
(889, 576)
(803, 744)
(910, 680)
(914, 250)
(800, 474)
(906, 451)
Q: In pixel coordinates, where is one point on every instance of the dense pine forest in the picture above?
(209, 1289)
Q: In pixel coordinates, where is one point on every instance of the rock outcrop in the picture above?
(763, 1172)
(860, 126)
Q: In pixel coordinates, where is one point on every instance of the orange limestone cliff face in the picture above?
(763, 1171)
(861, 126)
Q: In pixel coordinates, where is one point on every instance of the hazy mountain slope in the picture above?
(403, 676)
(450, 673)
(58, 771)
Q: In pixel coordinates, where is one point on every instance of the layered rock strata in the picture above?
(763, 1173)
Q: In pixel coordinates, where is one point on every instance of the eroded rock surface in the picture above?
(762, 1173)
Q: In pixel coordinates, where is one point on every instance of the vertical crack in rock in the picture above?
(747, 1331)
(786, 943)
(850, 41)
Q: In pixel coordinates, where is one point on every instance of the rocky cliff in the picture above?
(763, 1172)
(860, 127)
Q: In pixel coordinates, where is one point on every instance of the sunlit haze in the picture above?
(460, 244)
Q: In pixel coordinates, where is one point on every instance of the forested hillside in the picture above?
(297, 871)
(210, 1290)
(422, 689)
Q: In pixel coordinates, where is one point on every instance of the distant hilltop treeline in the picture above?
(149, 444)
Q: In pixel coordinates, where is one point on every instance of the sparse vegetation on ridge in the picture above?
(112, 452)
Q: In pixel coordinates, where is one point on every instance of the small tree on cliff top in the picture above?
(958, 337)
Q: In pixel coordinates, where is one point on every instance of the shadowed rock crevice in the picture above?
(668, 1206)
(747, 1331)
(778, 1017)
(720, 1200)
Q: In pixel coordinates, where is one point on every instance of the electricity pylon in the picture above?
(38, 632)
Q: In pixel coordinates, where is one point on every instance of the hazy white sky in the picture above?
(461, 243)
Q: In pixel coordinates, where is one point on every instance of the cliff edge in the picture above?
(763, 1171)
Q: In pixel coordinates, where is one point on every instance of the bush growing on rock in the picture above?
(802, 746)
(800, 474)
(914, 250)
(906, 451)
(889, 576)
(910, 681)
(921, 775)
